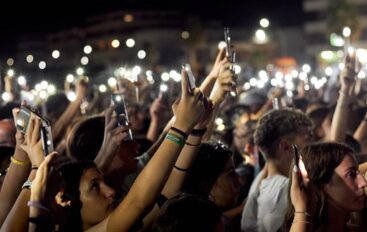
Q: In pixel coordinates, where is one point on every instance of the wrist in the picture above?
(181, 126)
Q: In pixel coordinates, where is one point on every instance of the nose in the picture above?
(108, 191)
(361, 181)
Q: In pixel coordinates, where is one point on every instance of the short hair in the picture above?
(277, 124)
(86, 138)
(187, 212)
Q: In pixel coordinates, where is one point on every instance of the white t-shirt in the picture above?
(266, 205)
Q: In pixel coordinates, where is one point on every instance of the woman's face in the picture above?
(96, 197)
(345, 189)
(226, 188)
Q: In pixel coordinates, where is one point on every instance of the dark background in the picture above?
(25, 17)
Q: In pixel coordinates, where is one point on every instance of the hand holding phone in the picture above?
(118, 100)
(190, 78)
(22, 123)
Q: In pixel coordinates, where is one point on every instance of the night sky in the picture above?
(24, 17)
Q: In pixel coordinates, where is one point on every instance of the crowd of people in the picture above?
(280, 165)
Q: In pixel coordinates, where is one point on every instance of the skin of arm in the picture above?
(149, 184)
(347, 79)
(16, 176)
(361, 133)
(59, 128)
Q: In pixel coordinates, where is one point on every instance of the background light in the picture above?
(84, 60)
(102, 88)
(264, 23)
(55, 54)
(347, 31)
(10, 61)
(87, 49)
(29, 58)
(130, 42)
(22, 81)
(115, 43)
(10, 73)
(185, 35)
(141, 54)
(42, 65)
(80, 71)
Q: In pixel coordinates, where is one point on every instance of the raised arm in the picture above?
(17, 219)
(149, 184)
(340, 117)
(58, 129)
(17, 174)
(361, 133)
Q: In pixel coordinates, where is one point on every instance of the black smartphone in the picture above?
(190, 78)
(22, 123)
(296, 157)
(118, 100)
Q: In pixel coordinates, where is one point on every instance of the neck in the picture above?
(337, 216)
(275, 167)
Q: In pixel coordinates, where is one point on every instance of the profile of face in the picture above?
(226, 188)
(346, 187)
(96, 196)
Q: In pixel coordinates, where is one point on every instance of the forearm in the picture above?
(183, 163)
(14, 179)
(207, 85)
(146, 188)
(210, 126)
(339, 123)
(361, 133)
(71, 111)
(17, 219)
(153, 131)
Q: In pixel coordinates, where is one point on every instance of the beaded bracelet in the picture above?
(18, 162)
(175, 139)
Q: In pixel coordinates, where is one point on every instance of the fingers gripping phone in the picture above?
(22, 124)
(296, 157)
(118, 100)
(190, 78)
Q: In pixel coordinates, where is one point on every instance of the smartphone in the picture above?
(231, 55)
(296, 157)
(276, 103)
(118, 100)
(22, 123)
(191, 78)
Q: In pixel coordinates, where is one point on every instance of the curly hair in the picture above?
(277, 124)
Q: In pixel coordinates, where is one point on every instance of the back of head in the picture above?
(206, 168)
(187, 213)
(277, 124)
(85, 139)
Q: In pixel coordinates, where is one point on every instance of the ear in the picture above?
(285, 145)
(60, 199)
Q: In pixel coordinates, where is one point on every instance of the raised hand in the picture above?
(224, 83)
(32, 143)
(351, 69)
(190, 108)
(219, 61)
